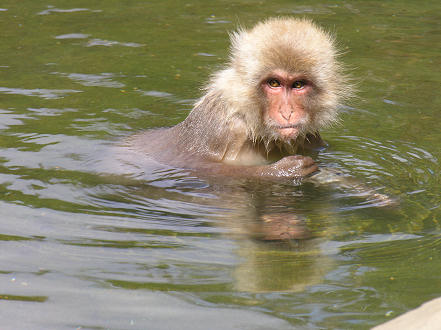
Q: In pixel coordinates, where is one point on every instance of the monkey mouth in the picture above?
(297, 126)
(289, 132)
(285, 131)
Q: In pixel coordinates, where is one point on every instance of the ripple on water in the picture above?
(39, 92)
(109, 43)
(104, 79)
(376, 159)
(214, 20)
(10, 118)
(52, 9)
(72, 36)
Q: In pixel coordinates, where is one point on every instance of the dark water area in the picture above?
(91, 239)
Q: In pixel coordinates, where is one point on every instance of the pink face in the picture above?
(286, 95)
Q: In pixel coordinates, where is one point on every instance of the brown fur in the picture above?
(227, 132)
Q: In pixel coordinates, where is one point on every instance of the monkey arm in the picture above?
(291, 167)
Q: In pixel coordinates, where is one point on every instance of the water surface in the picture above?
(88, 241)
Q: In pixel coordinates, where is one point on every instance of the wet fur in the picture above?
(229, 120)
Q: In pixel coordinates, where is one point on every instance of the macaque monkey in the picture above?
(281, 86)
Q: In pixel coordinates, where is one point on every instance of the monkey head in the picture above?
(283, 80)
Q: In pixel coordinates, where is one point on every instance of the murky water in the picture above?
(88, 241)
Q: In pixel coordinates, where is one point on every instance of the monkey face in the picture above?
(286, 96)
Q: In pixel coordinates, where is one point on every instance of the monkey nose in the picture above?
(286, 114)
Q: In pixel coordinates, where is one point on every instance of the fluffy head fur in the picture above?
(296, 46)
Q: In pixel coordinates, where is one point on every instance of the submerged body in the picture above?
(245, 159)
(281, 86)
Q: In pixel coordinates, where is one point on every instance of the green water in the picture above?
(84, 245)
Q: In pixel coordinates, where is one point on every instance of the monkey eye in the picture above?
(273, 83)
(298, 84)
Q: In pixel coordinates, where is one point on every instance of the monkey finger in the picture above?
(309, 170)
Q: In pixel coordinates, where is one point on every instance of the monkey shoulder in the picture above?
(155, 143)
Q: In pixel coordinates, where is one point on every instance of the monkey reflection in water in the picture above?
(261, 114)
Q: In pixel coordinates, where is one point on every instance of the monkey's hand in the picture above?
(291, 167)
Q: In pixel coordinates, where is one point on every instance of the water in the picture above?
(85, 245)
